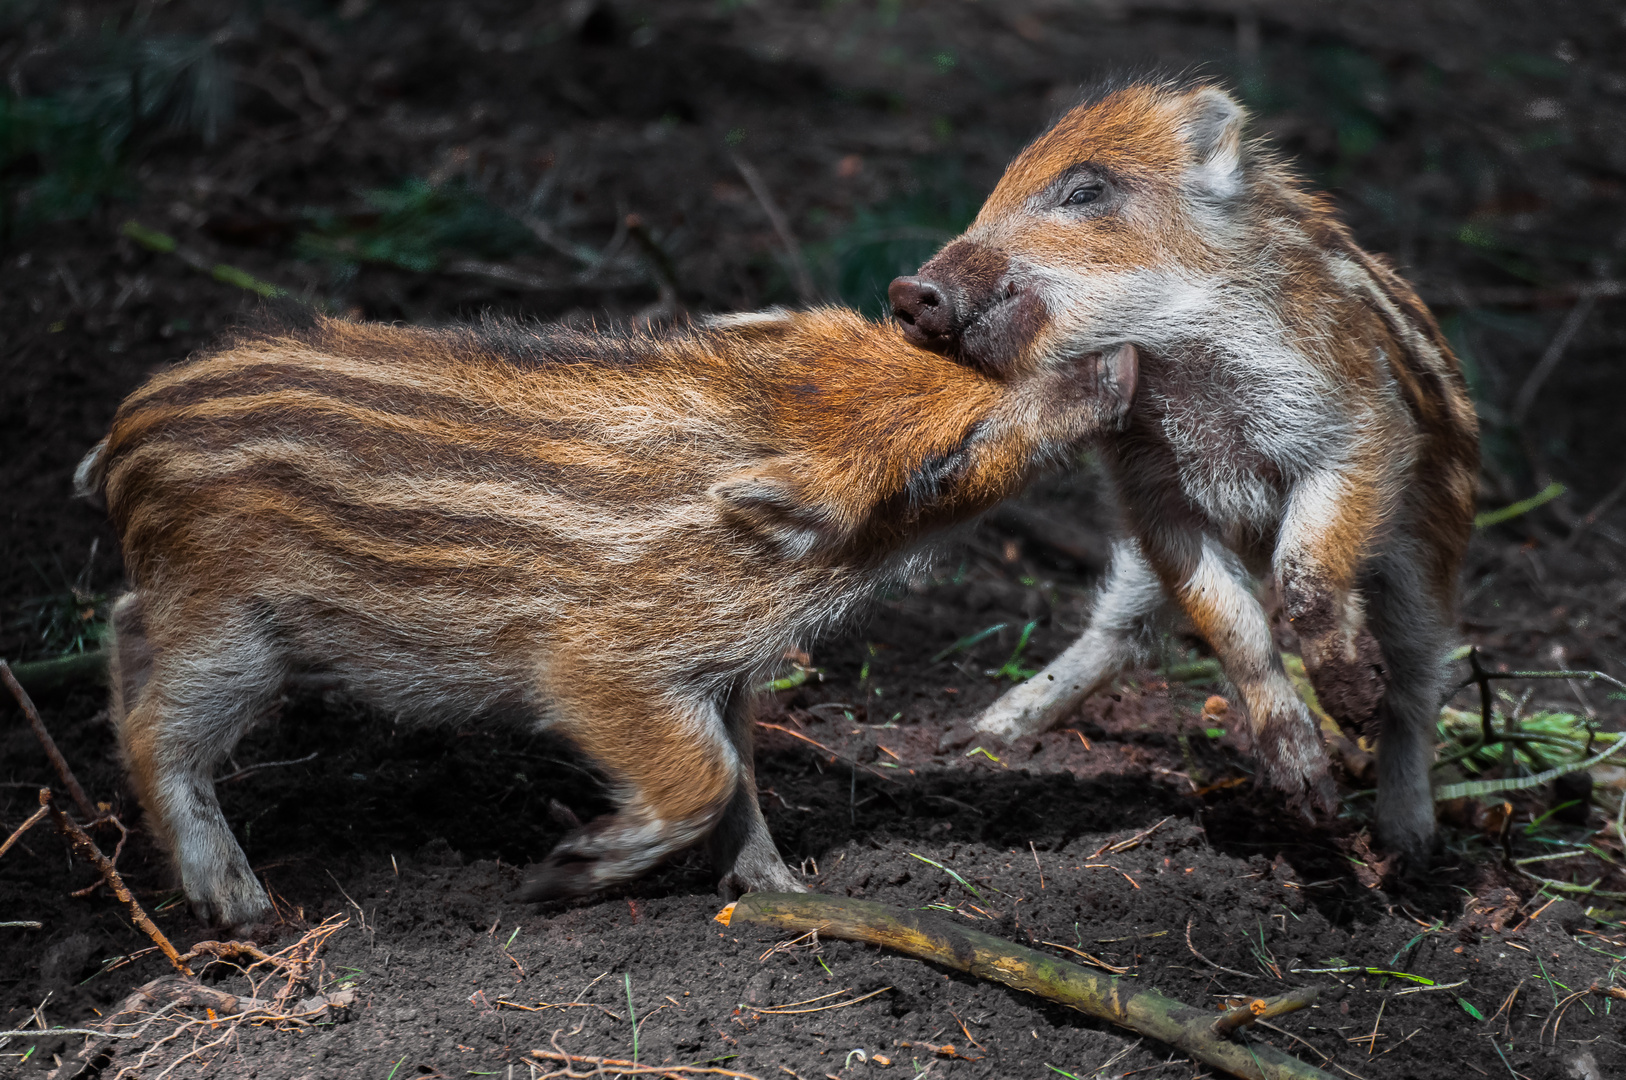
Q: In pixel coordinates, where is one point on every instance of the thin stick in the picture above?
(37, 1032)
(110, 874)
(660, 263)
(1265, 1009)
(1590, 518)
(24, 827)
(1206, 960)
(246, 769)
(826, 749)
(1549, 361)
(71, 782)
(803, 282)
(823, 1008)
(626, 1068)
(1145, 1012)
(1094, 960)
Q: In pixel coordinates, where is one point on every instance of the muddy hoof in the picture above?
(731, 887)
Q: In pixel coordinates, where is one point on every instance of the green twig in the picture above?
(1523, 506)
(165, 244)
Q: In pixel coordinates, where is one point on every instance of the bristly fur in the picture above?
(612, 534)
(1300, 414)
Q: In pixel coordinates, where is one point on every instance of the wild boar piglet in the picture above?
(612, 535)
(1300, 416)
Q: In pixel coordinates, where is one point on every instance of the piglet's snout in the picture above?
(924, 309)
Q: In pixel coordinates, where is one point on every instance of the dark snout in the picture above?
(965, 304)
(925, 310)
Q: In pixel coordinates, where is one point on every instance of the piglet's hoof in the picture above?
(558, 879)
(1295, 763)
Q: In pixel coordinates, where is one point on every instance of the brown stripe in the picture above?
(406, 445)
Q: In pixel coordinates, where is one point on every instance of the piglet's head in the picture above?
(1083, 242)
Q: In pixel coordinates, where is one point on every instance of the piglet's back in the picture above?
(470, 489)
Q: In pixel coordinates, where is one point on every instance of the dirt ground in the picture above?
(1482, 146)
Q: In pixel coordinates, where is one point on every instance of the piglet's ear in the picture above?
(770, 500)
(1118, 373)
(1211, 122)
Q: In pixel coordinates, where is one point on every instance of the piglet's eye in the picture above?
(1083, 195)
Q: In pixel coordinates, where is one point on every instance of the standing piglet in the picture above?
(505, 521)
(1299, 414)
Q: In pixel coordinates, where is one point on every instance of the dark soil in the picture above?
(1485, 153)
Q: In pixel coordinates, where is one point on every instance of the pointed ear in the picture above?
(1119, 374)
(771, 500)
(1211, 122)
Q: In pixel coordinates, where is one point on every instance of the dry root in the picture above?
(163, 1003)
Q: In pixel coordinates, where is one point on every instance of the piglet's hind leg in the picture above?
(741, 848)
(1129, 602)
(674, 773)
(198, 700)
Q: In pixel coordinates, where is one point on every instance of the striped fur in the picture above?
(613, 535)
(1300, 415)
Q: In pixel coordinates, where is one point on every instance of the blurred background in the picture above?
(165, 167)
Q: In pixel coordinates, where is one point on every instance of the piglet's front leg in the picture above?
(1210, 584)
(1322, 536)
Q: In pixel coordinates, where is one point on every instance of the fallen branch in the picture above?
(71, 782)
(1145, 1012)
(110, 874)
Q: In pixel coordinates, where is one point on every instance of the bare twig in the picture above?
(928, 937)
(1599, 509)
(835, 754)
(110, 874)
(515, 278)
(246, 769)
(800, 279)
(660, 264)
(1460, 296)
(822, 1008)
(37, 1032)
(1526, 397)
(615, 1067)
(1206, 960)
(1095, 961)
(33, 819)
(71, 782)
(1265, 1009)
